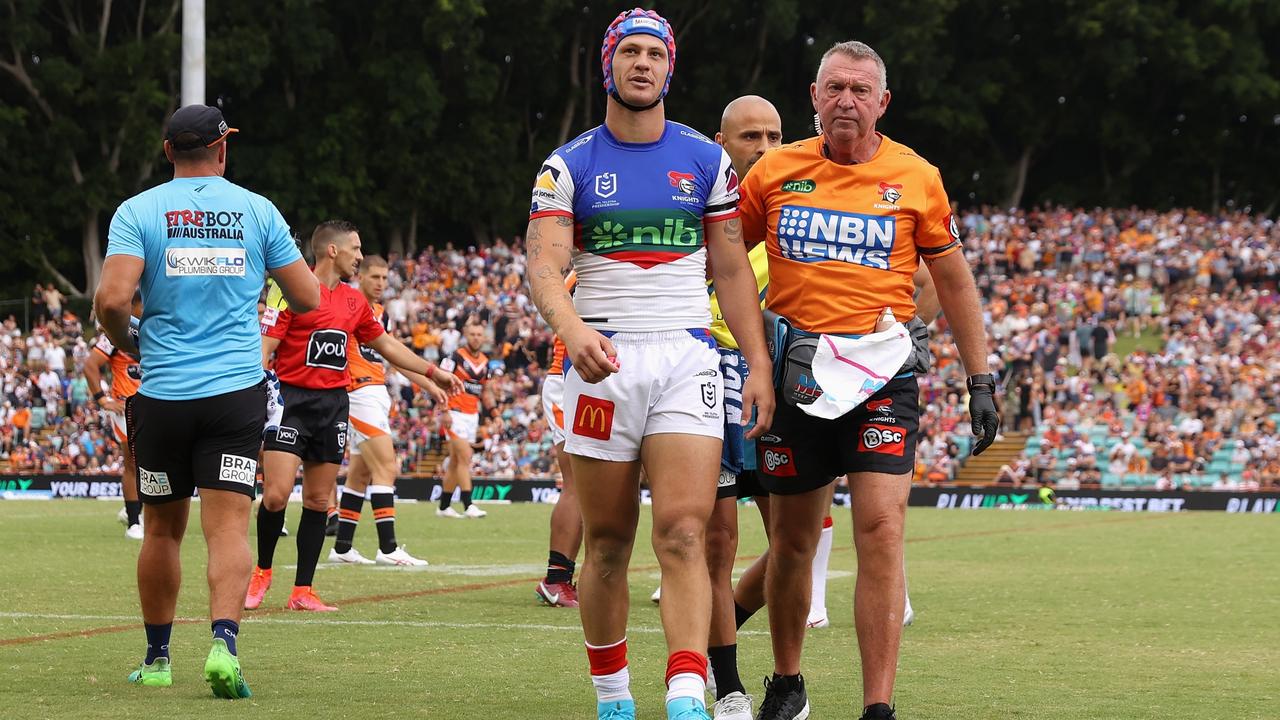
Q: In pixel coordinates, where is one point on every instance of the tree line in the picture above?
(424, 122)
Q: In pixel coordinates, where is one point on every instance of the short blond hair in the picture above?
(856, 50)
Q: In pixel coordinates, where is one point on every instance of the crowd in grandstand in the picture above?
(1194, 294)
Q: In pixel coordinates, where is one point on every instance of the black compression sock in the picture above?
(270, 523)
(724, 663)
(310, 540)
(132, 509)
(741, 615)
(466, 499)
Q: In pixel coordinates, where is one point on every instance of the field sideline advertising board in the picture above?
(13, 487)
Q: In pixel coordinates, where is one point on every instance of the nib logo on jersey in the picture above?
(809, 234)
(645, 238)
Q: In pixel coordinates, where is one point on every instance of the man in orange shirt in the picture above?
(126, 374)
(373, 468)
(847, 216)
(472, 368)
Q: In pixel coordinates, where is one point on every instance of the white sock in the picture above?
(613, 687)
(906, 592)
(821, 558)
(687, 685)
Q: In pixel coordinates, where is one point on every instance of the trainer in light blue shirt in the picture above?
(206, 245)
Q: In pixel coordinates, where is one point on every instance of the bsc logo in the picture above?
(882, 439)
(778, 462)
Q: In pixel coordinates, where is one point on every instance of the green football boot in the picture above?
(222, 672)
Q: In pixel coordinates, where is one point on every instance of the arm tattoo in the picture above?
(733, 231)
(563, 221)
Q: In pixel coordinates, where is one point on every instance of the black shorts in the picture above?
(745, 484)
(749, 485)
(313, 425)
(207, 443)
(802, 453)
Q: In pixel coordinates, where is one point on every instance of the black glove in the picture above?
(985, 416)
(920, 360)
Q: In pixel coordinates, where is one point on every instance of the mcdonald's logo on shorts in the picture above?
(593, 417)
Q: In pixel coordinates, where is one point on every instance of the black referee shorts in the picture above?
(313, 425)
(208, 443)
(802, 453)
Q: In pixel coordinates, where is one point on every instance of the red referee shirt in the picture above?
(313, 346)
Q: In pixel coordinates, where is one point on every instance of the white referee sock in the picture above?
(821, 558)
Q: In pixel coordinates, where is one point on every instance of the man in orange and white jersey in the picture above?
(557, 588)
(126, 374)
(847, 218)
(372, 470)
(472, 368)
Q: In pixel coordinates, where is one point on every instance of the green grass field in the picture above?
(1061, 615)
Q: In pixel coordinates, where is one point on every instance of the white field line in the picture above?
(426, 624)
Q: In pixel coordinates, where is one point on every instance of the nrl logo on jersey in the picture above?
(606, 184)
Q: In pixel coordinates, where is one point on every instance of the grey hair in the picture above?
(856, 50)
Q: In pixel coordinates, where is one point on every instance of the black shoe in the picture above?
(879, 711)
(782, 701)
(331, 526)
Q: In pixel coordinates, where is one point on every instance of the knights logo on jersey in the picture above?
(890, 193)
(606, 184)
(681, 180)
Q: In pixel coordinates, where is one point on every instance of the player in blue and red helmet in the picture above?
(632, 22)
(650, 204)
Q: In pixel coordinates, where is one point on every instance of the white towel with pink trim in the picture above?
(850, 370)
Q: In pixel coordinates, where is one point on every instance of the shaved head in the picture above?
(749, 126)
(745, 107)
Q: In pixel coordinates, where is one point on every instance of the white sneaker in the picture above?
(818, 619)
(134, 532)
(448, 512)
(475, 512)
(908, 615)
(350, 557)
(123, 517)
(656, 597)
(734, 706)
(400, 557)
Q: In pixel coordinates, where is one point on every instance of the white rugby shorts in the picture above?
(464, 425)
(553, 406)
(369, 415)
(668, 382)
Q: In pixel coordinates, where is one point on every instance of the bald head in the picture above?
(749, 126)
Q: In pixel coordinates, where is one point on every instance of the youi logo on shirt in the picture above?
(327, 349)
(809, 234)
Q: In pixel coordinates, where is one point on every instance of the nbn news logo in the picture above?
(810, 234)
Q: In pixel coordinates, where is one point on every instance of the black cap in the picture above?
(200, 126)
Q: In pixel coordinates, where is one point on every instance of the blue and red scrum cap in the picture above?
(634, 22)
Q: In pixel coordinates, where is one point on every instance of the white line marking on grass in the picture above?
(427, 624)
(442, 569)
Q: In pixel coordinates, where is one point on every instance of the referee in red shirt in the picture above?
(311, 362)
